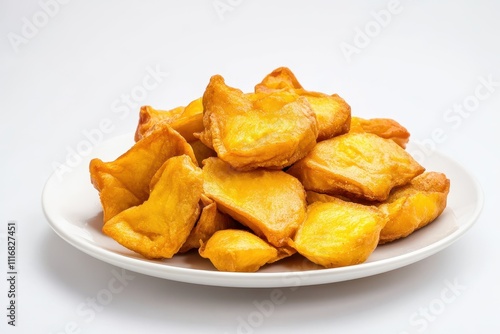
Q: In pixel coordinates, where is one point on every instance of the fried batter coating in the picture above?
(356, 165)
(160, 226)
(332, 112)
(257, 130)
(281, 78)
(185, 120)
(124, 182)
(414, 205)
(383, 127)
(312, 196)
(238, 251)
(270, 202)
(337, 233)
(202, 151)
(211, 220)
(149, 116)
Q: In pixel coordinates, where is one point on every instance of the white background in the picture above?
(69, 71)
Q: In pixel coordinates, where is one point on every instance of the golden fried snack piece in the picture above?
(202, 151)
(160, 226)
(414, 205)
(238, 251)
(383, 127)
(356, 165)
(281, 78)
(149, 116)
(312, 196)
(269, 202)
(185, 120)
(125, 182)
(211, 220)
(332, 112)
(338, 233)
(188, 126)
(257, 130)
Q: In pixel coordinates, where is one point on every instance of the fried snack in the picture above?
(312, 196)
(257, 130)
(383, 127)
(160, 226)
(332, 112)
(281, 78)
(149, 116)
(414, 205)
(337, 233)
(185, 120)
(356, 165)
(125, 182)
(211, 220)
(238, 251)
(260, 151)
(201, 151)
(270, 202)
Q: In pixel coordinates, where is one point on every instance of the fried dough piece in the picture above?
(356, 165)
(160, 226)
(211, 220)
(185, 120)
(270, 202)
(202, 151)
(279, 79)
(238, 251)
(414, 205)
(257, 130)
(125, 182)
(312, 196)
(338, 233)
(332, 112)
(149, 116)
(188, 126)
(383, 127)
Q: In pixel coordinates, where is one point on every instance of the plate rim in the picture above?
(261, 279)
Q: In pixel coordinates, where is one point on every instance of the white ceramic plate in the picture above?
(73, 210)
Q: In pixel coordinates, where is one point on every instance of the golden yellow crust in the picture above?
(278, 79)
(149, 116)
(160, 226)
(285, 170)
(237, 250)
(337, 233)
(270, 202)
(125, 182)
(356, 165)
(414, 205)
(211, 220)
(332, 112)
(383, 127)
(185, 120)
(258, 130)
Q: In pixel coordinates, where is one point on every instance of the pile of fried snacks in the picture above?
(249, 178)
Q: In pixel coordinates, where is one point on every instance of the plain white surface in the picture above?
(88, 66)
